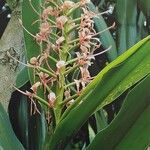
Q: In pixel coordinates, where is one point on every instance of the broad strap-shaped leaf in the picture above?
(141, 31)
(131, 128)
(23, 114)
(131, 24)
(145, 7)
(31, 18)
(37, 131)
(121, 28)
(31, 22)
(117, 75)
(126, 15)
(8, 140)
(101, 120)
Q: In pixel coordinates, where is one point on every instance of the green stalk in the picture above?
(41, 100)
(47, 71)
(61, 80)
(68, 99)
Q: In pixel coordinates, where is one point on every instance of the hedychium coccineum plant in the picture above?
(61, 104)
(68, 44)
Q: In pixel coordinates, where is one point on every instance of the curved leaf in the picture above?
(8, 140)
(37, 130)
(121, 27)
(126, 15)
(29, 16)
(23, 120)
(145, 7)
(130, 129)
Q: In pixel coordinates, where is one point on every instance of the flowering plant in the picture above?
(61, 68)
(62, 41)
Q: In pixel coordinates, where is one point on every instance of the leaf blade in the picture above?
(134, 110)
(28, 19)
(8, 140)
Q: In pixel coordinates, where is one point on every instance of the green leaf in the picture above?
(22, 77)
(37, 129)
(8, 140)
(145, 7)
(32, 127)
(141, 31)
(23, 117)
(131, 22)
(91, 133)
(31, 22)
(121, 74)
(106, 37)
(130, 129)
(101, 119)
(121, 28)
(126, 15)
(29, 16)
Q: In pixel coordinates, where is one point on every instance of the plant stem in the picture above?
(46, 71)
(61, 80)
(41, 100)
(71, 69)
(68, 99)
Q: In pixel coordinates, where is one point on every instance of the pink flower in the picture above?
(35, 87)
(67, 5)
(61, 21)
(51, 99)
(60, 64)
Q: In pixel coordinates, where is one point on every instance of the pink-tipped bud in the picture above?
(45, 28)
(67, 93)
(47, 11)
(70, 103)
(60, 40)
(60, 64)
(43, 75)
(83, 2)
(67, 5)
(33, 61)
(51, 99)
(35, 86)
(60, 21)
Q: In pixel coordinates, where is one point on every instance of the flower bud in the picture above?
(67, 5)
(45, 28)
(47, 11)
(35, 86)
(60, 40)
(33, 61)
(51, 99)
(43, 75)
(70, 103)
(60, 21)
(67, 93)
(60, 64)
(83, 2)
